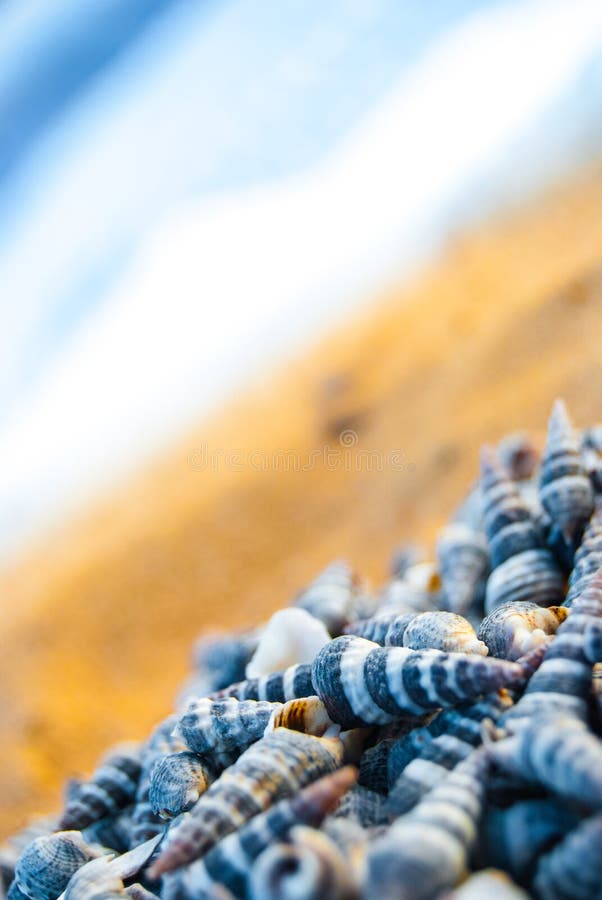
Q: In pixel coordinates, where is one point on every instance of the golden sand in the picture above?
(98, 622)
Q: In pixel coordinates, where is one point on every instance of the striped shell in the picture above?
(176, 783)
(463, 558)
(573, 869)
(385, 628)
(361, 683)
(335, 598)
(112, 787)
(104, 877)
(291, 636)
(223, 658)
(278, 687)
(513, 629)
(593, 641)
(214, 728)
(522, 568)
(588, 558)
(47, 864)
(366, 807)
(312, 868)
(12, 848)
(230, 861)
(565, 489)
(426, 851)
(558, 753)
(562, 684)
(277, 766)
(591, 453)
(146, 824)
(444, 631)
(515, 837)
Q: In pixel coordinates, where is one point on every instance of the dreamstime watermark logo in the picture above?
(346, 455)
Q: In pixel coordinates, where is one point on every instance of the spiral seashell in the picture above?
(562, 684)
(573, 869)
(463, 559)
(312, 868)
(366, 807)
(176, 783)
(277, 766)
(221, 729)
(592, 638)
(374, 766)
(223, 658)
(308, 714)
(112, 787)
(15, 893)
(515, 837)
(361, 683)
(444, 631)
(491, 883)
(291, 636)
(558, 753)
(513, 629)
(426, 851)
(47, 864)
(231, 860)
(278, 687)
(565, 489)
(522, 568)
(104, 877)
(146, 824)
(588, 558)
(113, 832)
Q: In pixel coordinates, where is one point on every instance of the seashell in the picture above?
(490, 883)
(592, 638)
(514, 838)
(15, 893)
(278, 687)
(291, 636)
(518, 455)
(573, 869)
(223, 658)
(12, 848)
(562, 684)
(361, 683)
(588, 558)
(308, 714)
(47, 864)
(437, 758)
(425, 851)
(418, 591)
(312, 868)
(176, 783)
(104, 877)
(403, 557)
(463, 558)
(145, 823)
(335, 598)
(222, 729)
(275, 767)
(112, 787)
(513, 629)
(231, 860)
(440, 630)
(565, 489)
(558, 753)
(374, 766)
(523, 569)
(383, 628)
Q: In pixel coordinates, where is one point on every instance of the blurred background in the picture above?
(254, 227)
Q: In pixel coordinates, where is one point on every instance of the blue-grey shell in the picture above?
(46, 866)
(177, 780)
(211, 727)
(277, 766)
(279, 687)
(222, 659)
(361, 683)
(335, 598)
(147, 824)
(588, 558)
(463, 558)
(573, 869)
(512, 629)
(229, 863)
(441, 630)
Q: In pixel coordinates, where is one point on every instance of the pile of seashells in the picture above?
(439, 740)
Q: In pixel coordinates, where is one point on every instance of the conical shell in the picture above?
(277, 688)
(383, 628)
(146, 824)
(588, 558)
(444, 631)
(335, 598)
(361, 683)
(231, 860)
(277, 766)
(574, 868)
(213, 728)
(565, 489)
(463, 558)
(112, 787)
(48, 863)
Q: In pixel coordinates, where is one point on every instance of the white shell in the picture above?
(291, 636)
